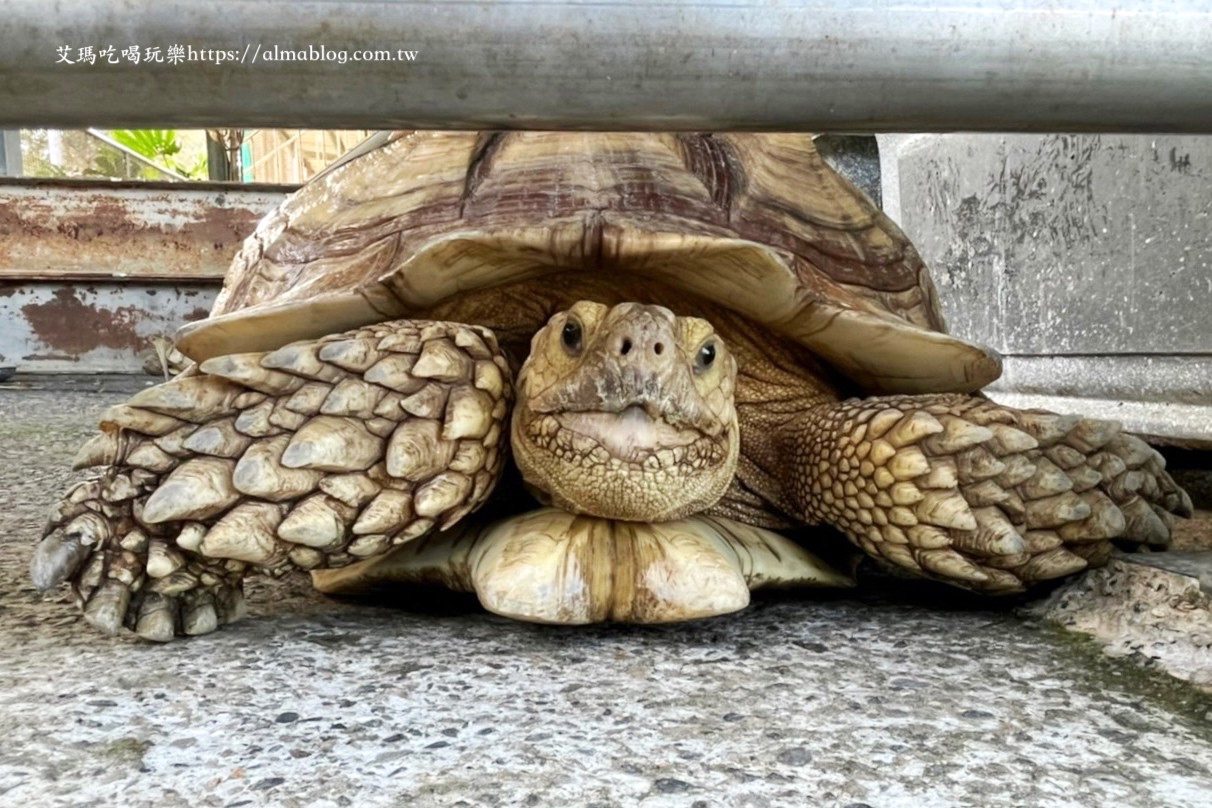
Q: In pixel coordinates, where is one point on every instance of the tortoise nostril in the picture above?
(625, 347)
(658, 349)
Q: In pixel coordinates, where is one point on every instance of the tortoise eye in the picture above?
(572, 336)
(705, 358)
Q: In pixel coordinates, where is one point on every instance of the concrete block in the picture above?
(1085, 259)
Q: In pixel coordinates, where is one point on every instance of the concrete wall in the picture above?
(1085, 259)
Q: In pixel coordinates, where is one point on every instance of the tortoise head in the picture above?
(627, 413)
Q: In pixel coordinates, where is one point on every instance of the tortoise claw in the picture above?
(106, 609)
(157, 620)
(57, 558)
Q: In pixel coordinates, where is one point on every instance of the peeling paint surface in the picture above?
(92, 327)
(88, 230)
(89, 271)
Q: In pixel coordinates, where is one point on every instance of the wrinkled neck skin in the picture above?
(627, 413)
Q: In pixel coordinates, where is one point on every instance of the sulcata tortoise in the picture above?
(685, 343)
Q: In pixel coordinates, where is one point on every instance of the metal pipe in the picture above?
(10, 153)
(872, 65)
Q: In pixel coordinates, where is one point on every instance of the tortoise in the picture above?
(692, 346)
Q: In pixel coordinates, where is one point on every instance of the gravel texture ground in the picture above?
(901, 699)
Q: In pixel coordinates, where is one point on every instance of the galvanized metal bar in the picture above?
(816, 65)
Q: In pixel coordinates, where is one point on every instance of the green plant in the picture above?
(151, 143)
(160, 146)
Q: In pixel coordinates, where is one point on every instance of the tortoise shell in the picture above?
(758, 223)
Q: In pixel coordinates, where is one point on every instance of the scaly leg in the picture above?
(316, 455)
(990, 498)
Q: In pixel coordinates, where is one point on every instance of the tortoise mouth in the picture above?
(632, 435)
(623, 465)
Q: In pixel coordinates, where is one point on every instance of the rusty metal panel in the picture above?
(90, 271)
(92, 327)
(161, 232)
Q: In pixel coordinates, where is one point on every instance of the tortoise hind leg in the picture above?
(315, 455)
(990, 498)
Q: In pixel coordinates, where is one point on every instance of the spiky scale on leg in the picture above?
(1016, 496)
(304, 457)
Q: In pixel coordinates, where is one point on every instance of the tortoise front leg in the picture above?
(990, 498)
(316, 455)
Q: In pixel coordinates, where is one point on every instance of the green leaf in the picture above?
(151, 143)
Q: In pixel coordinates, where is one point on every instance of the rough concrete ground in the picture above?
(1155, 607)
(854, 699)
